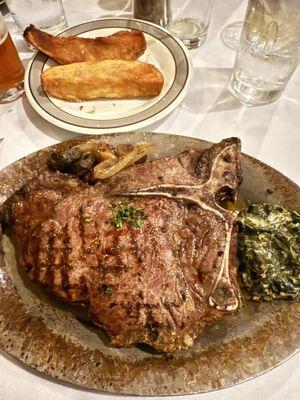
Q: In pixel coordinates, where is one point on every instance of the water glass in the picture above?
(11, 67)
(268, 53)
(190, 21)
(48, 15)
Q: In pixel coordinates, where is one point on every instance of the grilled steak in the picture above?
(159, 280)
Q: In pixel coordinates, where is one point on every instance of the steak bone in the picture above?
(222, 181)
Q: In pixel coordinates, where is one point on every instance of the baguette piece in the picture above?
(126, 45)
(115, 79)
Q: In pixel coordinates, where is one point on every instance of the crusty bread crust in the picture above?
(117, 79)
(126, 45)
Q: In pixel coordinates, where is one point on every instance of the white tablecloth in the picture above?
(270, 133)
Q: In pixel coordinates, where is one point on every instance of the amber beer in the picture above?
(11, 68)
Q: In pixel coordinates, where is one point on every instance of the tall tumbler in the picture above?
(48, 15)
(268, 53)
(190, 20)
(11, 67)
(156, 11)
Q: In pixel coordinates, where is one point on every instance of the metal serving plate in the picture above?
(46, 336)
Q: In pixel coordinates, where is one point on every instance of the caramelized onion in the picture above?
(92, 147)
(104, 155)
(104, 171)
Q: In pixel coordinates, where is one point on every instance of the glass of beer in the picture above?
(11, 67)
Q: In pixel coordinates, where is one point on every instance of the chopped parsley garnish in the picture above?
(126, 213)
(86, 219)
(107, 289)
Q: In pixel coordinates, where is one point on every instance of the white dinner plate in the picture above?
(164, 51)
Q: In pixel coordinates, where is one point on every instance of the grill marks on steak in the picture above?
(222, 173)
(159, 284)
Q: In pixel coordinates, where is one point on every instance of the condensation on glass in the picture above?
(268, 52)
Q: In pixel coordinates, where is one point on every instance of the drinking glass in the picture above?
(268, 53)
(48, 15)
(11, 67)
(231, 33)
(156, 11)
(190, 21)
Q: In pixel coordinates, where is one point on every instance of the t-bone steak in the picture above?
(159, 283)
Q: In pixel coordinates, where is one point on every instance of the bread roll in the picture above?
(115, 79)
(126, 45)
